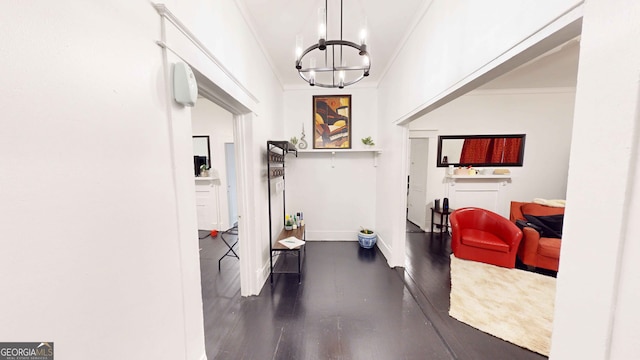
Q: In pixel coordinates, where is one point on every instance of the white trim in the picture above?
(262, 275)
(246, 211)
(400, 228)
(165, 13)
(332, 235)
(478, 177)
(337, 151)
(360, 85)
(524, 91)
(203, 356)
(384, 249)
(422, 133)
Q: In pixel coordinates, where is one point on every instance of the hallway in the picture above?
(350, 305)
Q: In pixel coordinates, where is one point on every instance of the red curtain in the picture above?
(505, 150)
(494, 150)
(474, 151)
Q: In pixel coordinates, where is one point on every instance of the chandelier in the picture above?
(334, 56)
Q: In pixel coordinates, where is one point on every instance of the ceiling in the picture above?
(558, 68)
(276, 23)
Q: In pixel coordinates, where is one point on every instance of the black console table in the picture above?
(444, 219)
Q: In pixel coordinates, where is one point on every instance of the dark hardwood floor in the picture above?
(350, 305)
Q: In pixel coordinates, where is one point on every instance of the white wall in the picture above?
(112, 191)
(545, 116)
(336, 200)
(596, 315)
(89, 235)
(210, 119)
(441, 53)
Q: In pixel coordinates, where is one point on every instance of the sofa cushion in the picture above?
(550, 225)
(540, 210)
(482, 239)
(549, 247)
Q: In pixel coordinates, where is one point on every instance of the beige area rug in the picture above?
(511, 304)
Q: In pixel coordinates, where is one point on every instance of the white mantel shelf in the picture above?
(479, 176)
(333, 153)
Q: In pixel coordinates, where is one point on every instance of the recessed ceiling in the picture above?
(277, 22)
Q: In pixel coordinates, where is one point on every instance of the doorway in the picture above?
(230, 157)
(214, 205)
(417, 182)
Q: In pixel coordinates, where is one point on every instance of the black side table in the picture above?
(444, 219)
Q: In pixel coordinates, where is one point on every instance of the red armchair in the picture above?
(484, 236)
(535, 250)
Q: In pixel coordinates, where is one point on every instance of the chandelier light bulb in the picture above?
(322, 26)
(298, 46)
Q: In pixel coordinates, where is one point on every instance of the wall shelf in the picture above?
(339, 150)
(376, 152)
(479, 176)
(467, 179)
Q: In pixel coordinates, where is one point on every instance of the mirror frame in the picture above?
(519, 162)
(208, 148)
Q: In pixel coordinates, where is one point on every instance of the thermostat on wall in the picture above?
(185, 88)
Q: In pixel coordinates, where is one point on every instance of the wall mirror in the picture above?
(201, 153)
(481, 150)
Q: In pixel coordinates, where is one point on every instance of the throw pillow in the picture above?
(551, 225)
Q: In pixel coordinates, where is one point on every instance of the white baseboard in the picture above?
(384, 248)
(332, 235)
(263, 273)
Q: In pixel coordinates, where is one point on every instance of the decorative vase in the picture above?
(367, 241)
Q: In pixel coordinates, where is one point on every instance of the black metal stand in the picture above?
(444, 219)
(276, 151)
(230, 252)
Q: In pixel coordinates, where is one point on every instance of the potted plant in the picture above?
(368, 141)
(288, 223)
(367, 238)
(204, 171)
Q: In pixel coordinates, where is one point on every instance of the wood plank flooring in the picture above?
(350, 305)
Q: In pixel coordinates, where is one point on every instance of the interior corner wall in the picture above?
(545, 116)
(336, 196)
(210, 119)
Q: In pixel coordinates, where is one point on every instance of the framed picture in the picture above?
(332, 122)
